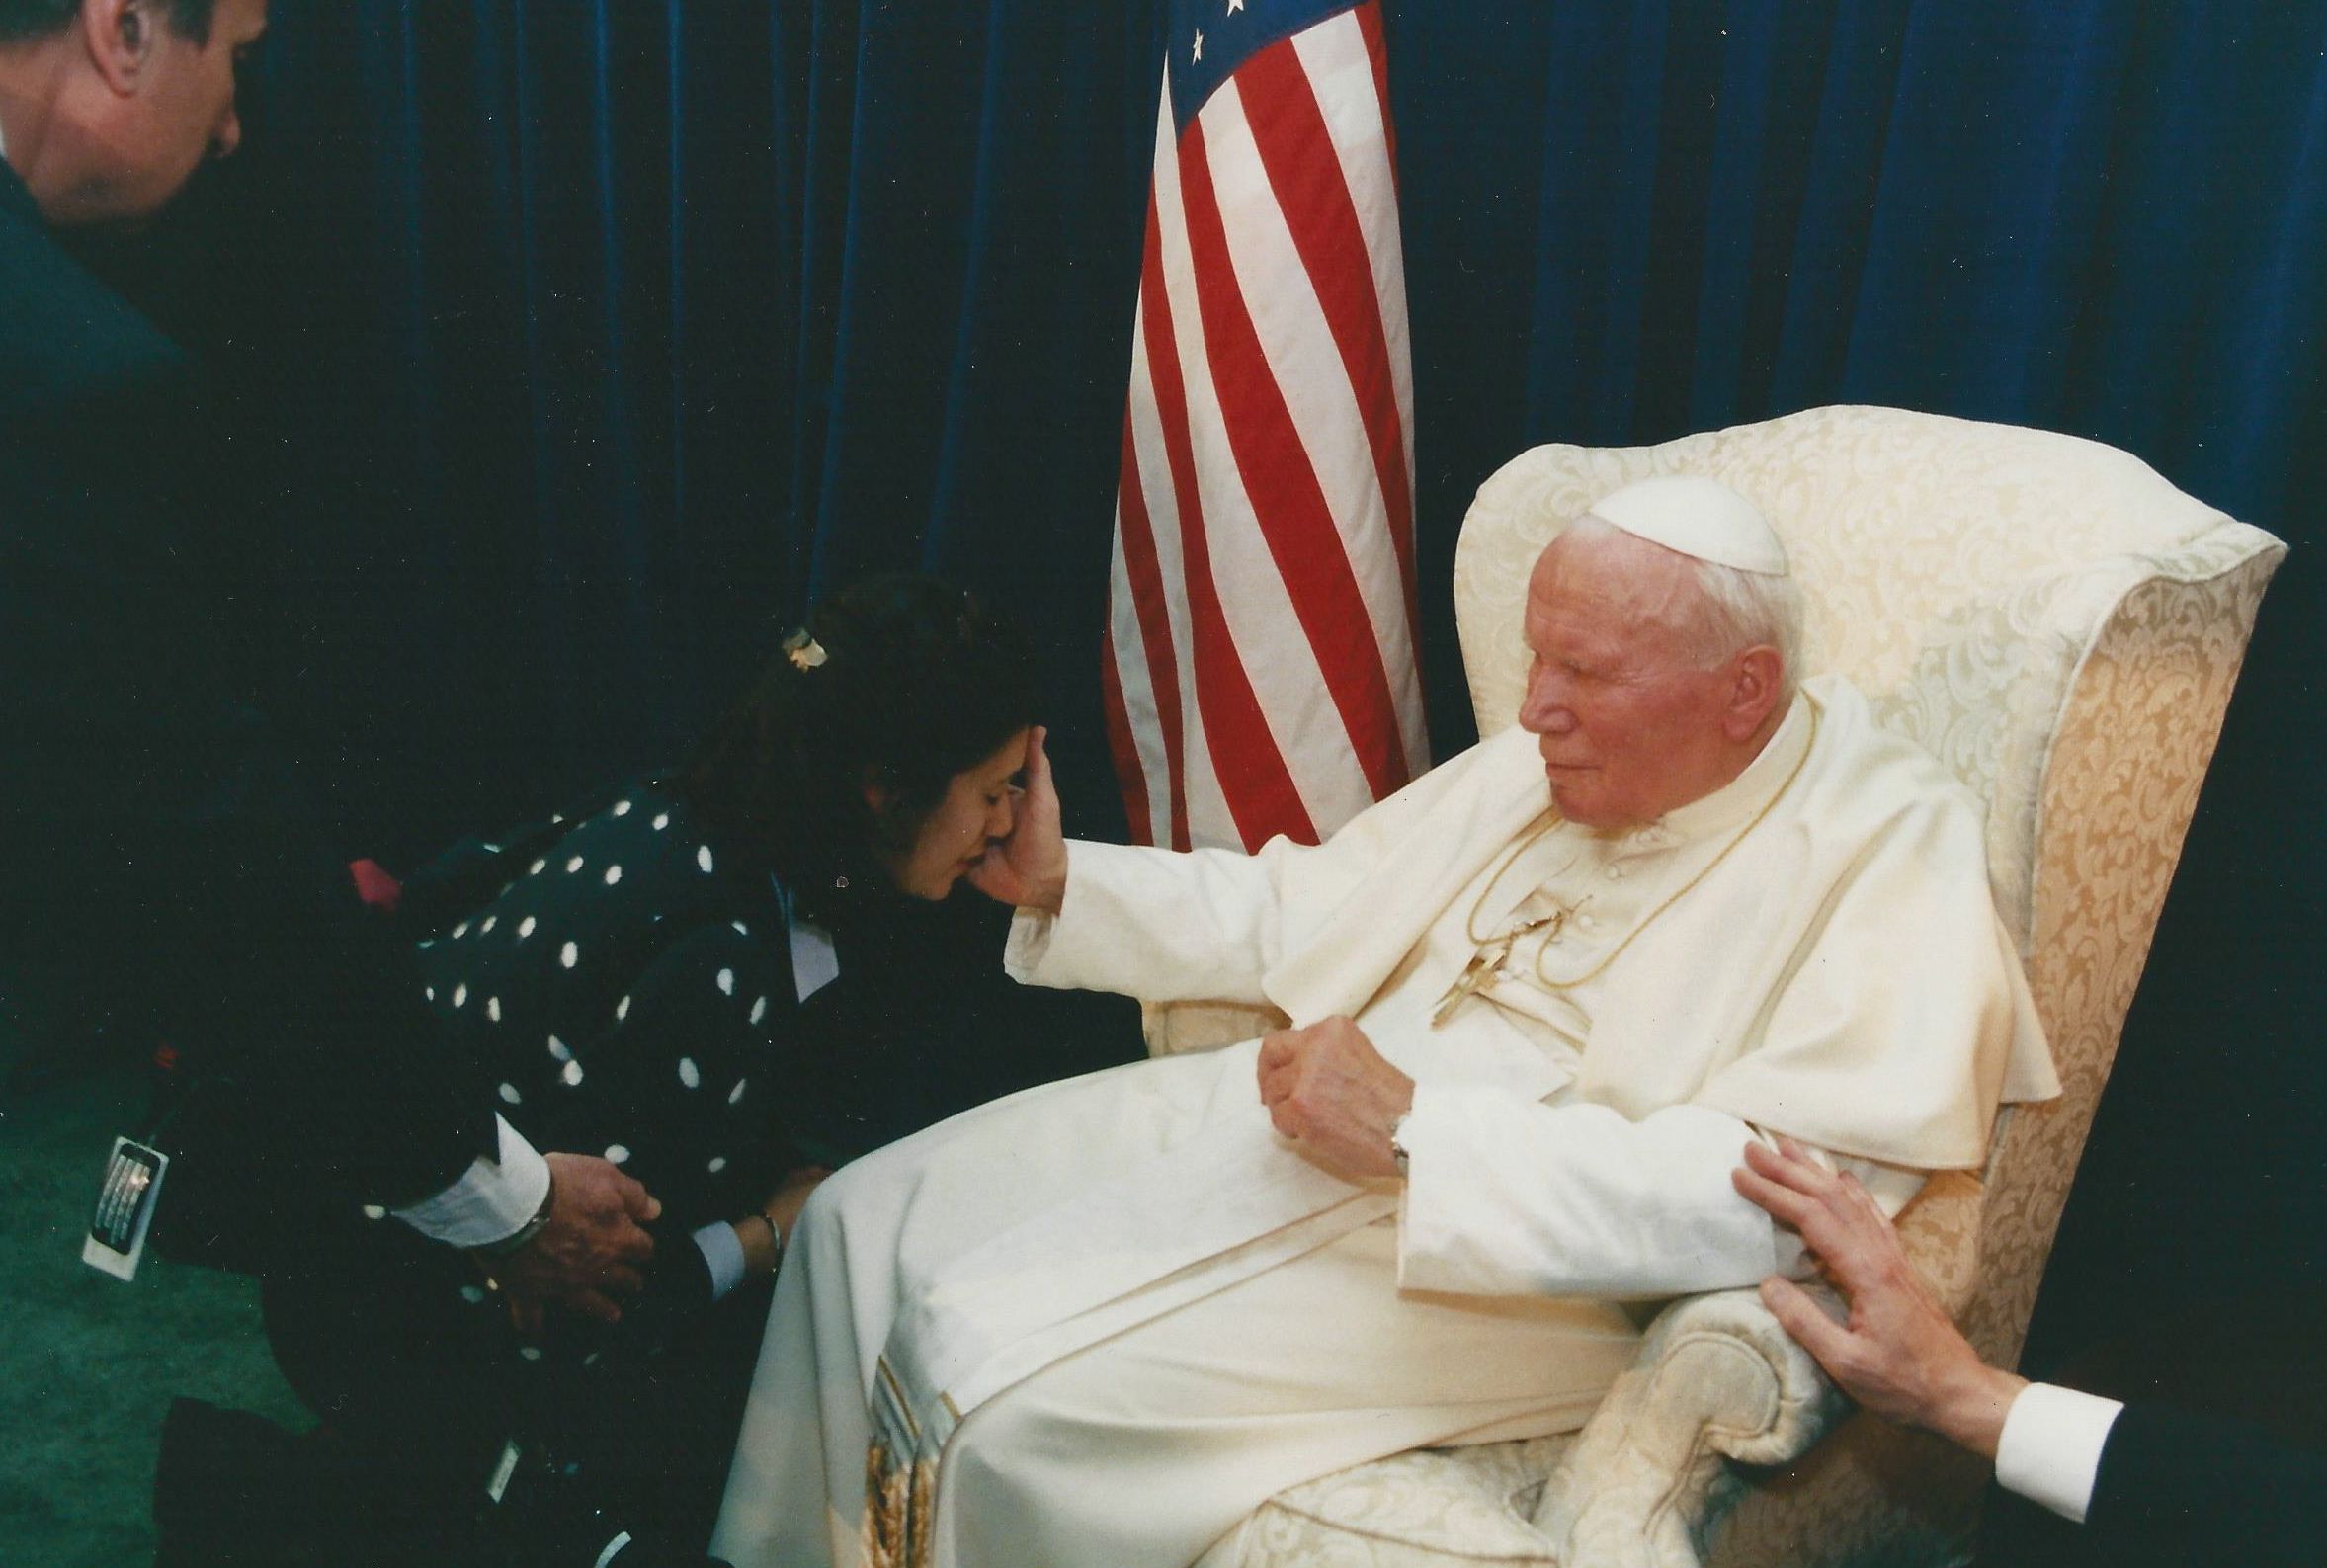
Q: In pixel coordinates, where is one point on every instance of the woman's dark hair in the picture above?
(37, 19)
(919, 680)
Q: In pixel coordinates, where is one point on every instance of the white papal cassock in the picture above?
(1123, 1312)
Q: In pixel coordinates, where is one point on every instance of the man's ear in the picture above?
(1756, 676)
(119, 37)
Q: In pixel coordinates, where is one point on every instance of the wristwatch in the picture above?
(1397, 1142)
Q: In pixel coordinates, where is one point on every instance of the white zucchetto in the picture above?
(1696, 517)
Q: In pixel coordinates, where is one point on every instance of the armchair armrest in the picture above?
(1716, 1379)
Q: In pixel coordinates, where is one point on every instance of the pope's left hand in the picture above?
(1331, 1092)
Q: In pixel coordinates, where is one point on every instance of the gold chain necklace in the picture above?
(1482, 969)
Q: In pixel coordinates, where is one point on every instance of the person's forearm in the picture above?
(492, 1201)
(1970, 1406)
(1154, 924)
(1506, 1195)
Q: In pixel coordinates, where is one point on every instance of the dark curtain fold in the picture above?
(576, 346)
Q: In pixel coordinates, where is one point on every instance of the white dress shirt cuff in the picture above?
(722, 1254)
(2049, 1452)
(492, 1201)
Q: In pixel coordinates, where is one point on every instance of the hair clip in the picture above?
(805, 651)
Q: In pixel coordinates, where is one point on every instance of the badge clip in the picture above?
(124, 1208)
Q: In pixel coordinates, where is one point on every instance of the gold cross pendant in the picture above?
(1477, 972)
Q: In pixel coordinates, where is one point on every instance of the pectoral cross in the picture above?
(1486, 964)
(1477, 972)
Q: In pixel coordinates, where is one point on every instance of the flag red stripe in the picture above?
(1295, 148)
(1378, 50)
(1258, 787)
(1286, 501)
(1123, 744)
(1145, 573)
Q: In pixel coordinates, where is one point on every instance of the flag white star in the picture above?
(1199, 54)
(1235, 6)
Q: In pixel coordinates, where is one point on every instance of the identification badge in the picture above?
(124, 1208)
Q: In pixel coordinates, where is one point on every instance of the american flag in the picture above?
(1258, 667)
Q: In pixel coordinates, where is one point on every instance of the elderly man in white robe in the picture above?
(1540, 996)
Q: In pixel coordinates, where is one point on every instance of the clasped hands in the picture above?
(590, 1252)
(1332, 1093)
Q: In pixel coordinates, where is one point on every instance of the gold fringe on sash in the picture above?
(898, 1494)
(901, 1486)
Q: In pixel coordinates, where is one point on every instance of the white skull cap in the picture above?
(1696, 517)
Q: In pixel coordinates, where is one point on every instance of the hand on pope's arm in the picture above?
(1331, 1092)
(589, 1253)
(1028, 869)
(1898, 1354)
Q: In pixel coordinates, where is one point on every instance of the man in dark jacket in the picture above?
(159, 860)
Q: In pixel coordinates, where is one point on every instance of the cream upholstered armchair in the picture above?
(2061, 628)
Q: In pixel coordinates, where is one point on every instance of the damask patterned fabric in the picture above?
(2061, 628)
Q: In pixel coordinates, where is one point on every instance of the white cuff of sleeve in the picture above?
(1029, 939)
(2049, 1452)
(492, 1201)
(722, 1254)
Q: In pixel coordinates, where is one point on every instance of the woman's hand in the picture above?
(1029, 868)
(783, 1205)
(763, 1245)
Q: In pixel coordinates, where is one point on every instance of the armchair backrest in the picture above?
(2047, 616)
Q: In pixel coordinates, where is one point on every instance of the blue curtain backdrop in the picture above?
(575, 345)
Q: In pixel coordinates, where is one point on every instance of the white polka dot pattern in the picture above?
(560, 1049)
(572, 1076)
(758, 1010)
(735, 1095)
(573, 865)
(509, 1093)
(622, 808)
(614, 874)
(689, 1073)
(525, 928)
(568, 955)
(702, 856)
(617, 1153)
(718, 1163)
(726, 983)
(461, 994)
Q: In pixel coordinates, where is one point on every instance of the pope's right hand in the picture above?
(1027, 869)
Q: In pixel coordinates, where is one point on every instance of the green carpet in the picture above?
(89, 1365)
